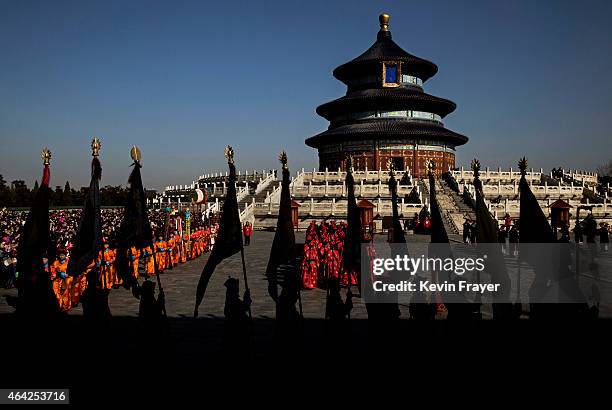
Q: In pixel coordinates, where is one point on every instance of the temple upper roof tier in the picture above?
(403, 98)
(385, 49)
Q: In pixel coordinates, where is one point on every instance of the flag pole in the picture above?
(244, 272)
(136, 156)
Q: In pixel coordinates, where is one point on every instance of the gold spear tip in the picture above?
(46, 156)
(475, 166)
(390, 166)
(522, 164)
(95, 146)
(283, 159)
(431, 165)
(229, 154)
(384, 21)
(135, 154)
(349, 163)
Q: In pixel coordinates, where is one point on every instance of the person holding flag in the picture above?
(35, 297)
(282, 268)
(229, 237)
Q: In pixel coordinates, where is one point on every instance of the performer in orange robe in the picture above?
(160, 254)
(149, 264)
(107, 267)
(176, 249)
(194, 247)
(133, 261)
(79, 284)
(169, 248)
(63, 283)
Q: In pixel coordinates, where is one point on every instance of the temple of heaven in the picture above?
(385, 116)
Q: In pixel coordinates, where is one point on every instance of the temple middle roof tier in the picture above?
(387, 129)
(403, 98)
(385, 49)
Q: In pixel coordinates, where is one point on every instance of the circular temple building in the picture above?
(385, 116)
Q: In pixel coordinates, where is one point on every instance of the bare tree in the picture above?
(605, 169)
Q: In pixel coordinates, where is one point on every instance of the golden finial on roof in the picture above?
(46, 156)
(384, 22)
(522, 164)
(283, 159)
(229, 154)
(95, 146)
(135, 153)
(476, 167)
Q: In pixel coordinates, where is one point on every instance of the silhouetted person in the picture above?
(336, 308)
(578, 237)
(95, 300)
(286, 310)
(151, 309)
(466, 231)
(513, 237)
(237, 319)
(565, 237)
(473, 232)
(604, 237)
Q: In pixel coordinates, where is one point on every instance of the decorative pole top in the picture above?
(349, 163)
(229, 154)
(522, 164)
(476, 167)
(46, 156)
(431, 166)
(390, 167)
(135, 153)
(283, 159)
(384, 22)
(95, 146)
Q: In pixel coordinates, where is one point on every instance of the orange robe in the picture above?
(176, 250)
(160, 255)
(79, 284)
(133, 261)
(149, 264)
(62, 287)
(169, 248)
(194, 248)
(108, 273)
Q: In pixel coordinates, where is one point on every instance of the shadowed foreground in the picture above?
(186, 355)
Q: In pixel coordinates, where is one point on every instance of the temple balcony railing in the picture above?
(366, 175)
(336, 208)
(512, 190)
(579, 177)
(512, 208)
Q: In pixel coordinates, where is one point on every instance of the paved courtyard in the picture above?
(180, 284)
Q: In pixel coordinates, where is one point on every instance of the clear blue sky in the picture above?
(183, 78)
